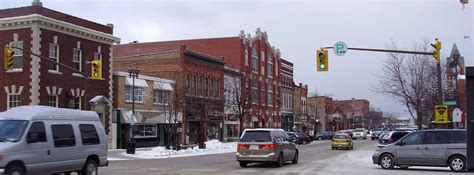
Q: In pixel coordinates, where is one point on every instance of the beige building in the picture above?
(153, 111)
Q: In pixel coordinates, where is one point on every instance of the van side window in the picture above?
(37, 128)
(89, 134)
(63, 135)
(435, 137)
(457, 137)
(415, 138)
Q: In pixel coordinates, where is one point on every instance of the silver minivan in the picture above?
(444, 147)
(266, 145)
(45, 140)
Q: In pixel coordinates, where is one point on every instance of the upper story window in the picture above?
(161, 97)
(200, 86)
(77, 59)
(18, 56)
(53, 100)
(270, 65)
(195, 85)
(211, 89)
(206, 87)
(139, 94)
(54, 56)
(254, 91)
(270, 94)
(187, 84)
(74, 102)
(14, 100)
(254, 60)
(217, 89)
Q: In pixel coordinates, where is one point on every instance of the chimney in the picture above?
(37, 3)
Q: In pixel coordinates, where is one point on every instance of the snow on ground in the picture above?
(212, 147)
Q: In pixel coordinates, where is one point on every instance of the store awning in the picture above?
(128, 117)
(162, 86)
(138, 82)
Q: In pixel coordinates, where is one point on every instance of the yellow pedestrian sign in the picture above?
(441, 114)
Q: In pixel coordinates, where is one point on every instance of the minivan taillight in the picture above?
(266, 146)
(243, 146)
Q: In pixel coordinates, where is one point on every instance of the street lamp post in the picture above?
(133, 73)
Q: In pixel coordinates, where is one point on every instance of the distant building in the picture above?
(64, 39)
(301, 121)
(320, 109)
(233, 108)
(286, 95)
(355, 110)
(456, 87)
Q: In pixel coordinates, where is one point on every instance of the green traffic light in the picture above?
(321, 66)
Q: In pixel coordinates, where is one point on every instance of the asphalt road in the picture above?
(315, 158)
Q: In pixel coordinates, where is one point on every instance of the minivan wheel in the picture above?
(242, 164)
(295, 159)
(15, 170)
(279, 162)
(386, 161)
(90, 168)
(457, 163)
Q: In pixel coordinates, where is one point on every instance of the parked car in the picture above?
(376, 132)
(342, 141)
(303, 138)
(425, 148)
(266, 145)
(46, 140)
(293, 137)
(359, 133)
(391, 137)
(326, 135)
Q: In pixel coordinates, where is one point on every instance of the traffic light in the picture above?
(322, 60)
(437, 50)
(8, 58)
(96, 70)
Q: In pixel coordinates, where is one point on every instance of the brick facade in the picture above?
(37, 27)
(202, 110)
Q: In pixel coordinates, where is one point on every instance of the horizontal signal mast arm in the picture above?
(386, 50)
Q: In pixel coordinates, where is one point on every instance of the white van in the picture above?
(44, 140)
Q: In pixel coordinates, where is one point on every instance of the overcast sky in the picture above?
(297, 28)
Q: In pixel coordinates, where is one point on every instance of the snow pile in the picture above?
(212, 147)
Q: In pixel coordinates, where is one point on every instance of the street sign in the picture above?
(441, 114)
(340, 48)
(449, 103)
(457, 115)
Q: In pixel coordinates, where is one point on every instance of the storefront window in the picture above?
(233, 131)
(142, 130)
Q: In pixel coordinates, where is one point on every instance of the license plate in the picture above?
(253, 147)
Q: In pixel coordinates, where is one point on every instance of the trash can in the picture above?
(131, 147)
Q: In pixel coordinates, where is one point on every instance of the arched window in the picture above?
(187, 83)
(211, 89)
(206, 87)
(200, 86)
(218, 89)
(194, 85)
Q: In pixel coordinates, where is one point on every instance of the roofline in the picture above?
(168, 41)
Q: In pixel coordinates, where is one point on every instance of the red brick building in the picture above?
(286, 97)
(254, 57)
(355, 111)
(62, 38)
(199, 78)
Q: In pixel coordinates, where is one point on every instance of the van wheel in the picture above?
(242, 164)
(386, 161)
(90, 168)
(457, 163)
(279, 162)
(295, 159)
(15, 170)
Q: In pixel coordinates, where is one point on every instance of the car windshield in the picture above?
(11, 130)
(377, 129)
(359, 130)
(340, 137)
(256, 136)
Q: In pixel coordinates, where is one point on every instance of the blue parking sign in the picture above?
(340, 48)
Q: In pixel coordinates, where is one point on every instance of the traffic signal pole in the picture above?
(435, 54)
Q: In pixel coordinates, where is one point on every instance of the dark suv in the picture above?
(391, 137)
(444, 147)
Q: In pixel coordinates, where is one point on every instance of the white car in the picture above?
(359, 133)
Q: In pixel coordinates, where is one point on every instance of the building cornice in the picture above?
(57, 25)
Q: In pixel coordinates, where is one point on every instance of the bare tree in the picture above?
(237, 100)
(411, 80)
(171, 104)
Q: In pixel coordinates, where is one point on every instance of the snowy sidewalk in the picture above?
(212, 147)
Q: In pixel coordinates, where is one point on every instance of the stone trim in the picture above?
(77, 92)
(35, 65)
(54, 90)
(12, 90)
